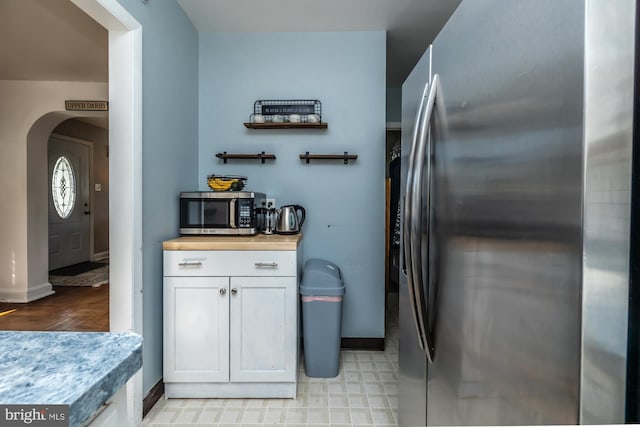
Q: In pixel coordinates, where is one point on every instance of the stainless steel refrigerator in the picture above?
(516, 167)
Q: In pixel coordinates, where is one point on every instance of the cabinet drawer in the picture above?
(229, 263)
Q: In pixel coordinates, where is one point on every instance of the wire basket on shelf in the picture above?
(284, 110)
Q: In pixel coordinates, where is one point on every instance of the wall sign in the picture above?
(86, 105)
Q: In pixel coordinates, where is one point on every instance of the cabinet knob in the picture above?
(234, 291)
(223, 291)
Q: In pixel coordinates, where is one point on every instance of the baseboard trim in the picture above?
(238, 390)
(40, 291)
(152, 398)
(24, 296)
(99, 256)
(363, 343)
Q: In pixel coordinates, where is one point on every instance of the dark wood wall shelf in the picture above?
(260, 156)
(346, 157)
(287, 125)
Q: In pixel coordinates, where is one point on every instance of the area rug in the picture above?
(95, 278)
(75, 269)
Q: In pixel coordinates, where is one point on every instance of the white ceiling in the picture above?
(54, 40)
(411, 25)
(51, 40)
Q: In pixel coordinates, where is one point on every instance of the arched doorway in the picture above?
(37, 198)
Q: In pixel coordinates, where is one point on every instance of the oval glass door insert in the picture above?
(63, 187)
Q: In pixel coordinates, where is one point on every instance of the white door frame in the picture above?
(125, 156)
(89, 144)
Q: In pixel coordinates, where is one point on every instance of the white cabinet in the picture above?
(230, 323)
(196, 332)
(263, 327)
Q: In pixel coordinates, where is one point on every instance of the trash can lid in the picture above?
(321, 277)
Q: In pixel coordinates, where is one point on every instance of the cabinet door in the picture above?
(196, 329)
(263, 327)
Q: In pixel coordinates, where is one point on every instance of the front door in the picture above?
(69, 225)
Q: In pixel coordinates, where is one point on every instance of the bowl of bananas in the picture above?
(226, 182)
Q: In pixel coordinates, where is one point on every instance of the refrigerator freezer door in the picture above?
(530, 219)
(507, 196)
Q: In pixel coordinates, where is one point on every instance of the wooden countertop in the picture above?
(259, 242)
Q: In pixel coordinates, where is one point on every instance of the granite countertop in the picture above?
(79, 369)
(258, 242)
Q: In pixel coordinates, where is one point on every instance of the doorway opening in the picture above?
(392, 219)
(78, 209)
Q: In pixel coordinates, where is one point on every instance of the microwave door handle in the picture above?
(232, 213)
(202, 213)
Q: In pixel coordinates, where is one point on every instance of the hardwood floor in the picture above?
(71, 308)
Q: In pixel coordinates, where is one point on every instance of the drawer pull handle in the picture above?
(234, 291)
(223, 291)
(190, 264)
(266, 264)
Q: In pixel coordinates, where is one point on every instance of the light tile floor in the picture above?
(365, 393)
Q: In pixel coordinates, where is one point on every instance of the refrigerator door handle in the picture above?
(415, 286)
(408, 218)
(428, 133)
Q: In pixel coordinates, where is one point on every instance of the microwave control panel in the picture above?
(245, 213)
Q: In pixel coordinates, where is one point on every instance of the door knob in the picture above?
(234, 291)
(223, 291)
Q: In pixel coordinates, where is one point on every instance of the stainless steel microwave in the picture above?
(222, 212)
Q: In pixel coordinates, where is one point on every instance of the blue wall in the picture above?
(170, 150)
(345, 203)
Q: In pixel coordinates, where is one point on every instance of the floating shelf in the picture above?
(261, 156)
(287, 125)
(346, 157)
